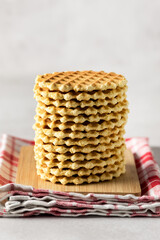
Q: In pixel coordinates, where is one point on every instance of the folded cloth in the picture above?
(19, 201)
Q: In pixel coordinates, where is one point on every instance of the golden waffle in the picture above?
(80, 96)
(87, 164)
(80, 142)
(81, 104)
(87, 149)
(80, 81)
(79, 134)
(41, 114)
(87, 110)
(81, 171)
(57, 158)
(86, 126)
(79, 180)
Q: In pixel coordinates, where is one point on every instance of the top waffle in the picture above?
(80, 81)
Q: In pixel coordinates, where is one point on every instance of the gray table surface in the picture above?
(81, 228)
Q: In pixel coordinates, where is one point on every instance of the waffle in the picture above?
(87, 110)
(87, 149)
(86, 126)
(79, 134)
(80, 81)
(56, 158)
(79, 126)
(79, 180)
(41, 114)
(80, 142)
(111, 159)
(81, 104)
(79, 96)
(81, 171)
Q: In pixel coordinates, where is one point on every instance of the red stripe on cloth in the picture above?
(8, 155)
(5, 166)
(31, 213)
(31, 142)
(128, 139)
(151, 170)
(141, 163)
(12, 158)
(9, 174)
(3, 180)
(147, 154)
(144, 176)
(148, 185)
(14, 163)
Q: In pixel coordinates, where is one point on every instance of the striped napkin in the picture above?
(20, 201)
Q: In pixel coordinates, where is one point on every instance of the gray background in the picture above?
(40, 36)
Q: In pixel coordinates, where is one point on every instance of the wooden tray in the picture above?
(128, 183)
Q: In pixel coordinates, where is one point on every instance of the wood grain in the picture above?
(128, 183)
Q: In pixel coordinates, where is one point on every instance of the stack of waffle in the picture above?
(79, 126)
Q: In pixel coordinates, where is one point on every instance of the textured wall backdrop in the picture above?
(41, 36)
